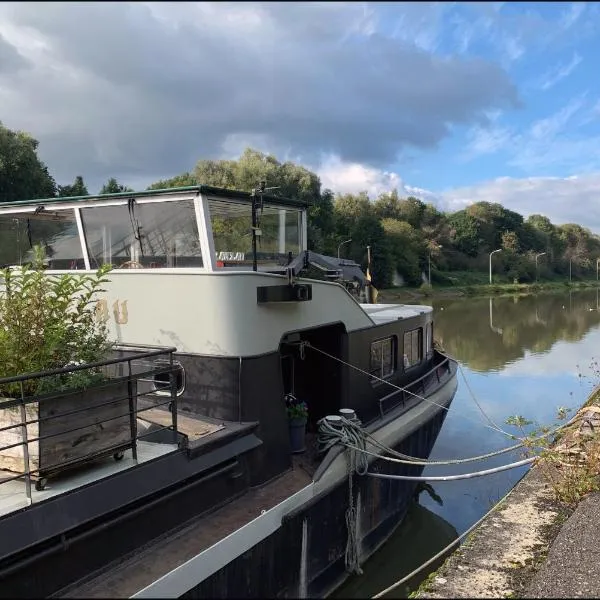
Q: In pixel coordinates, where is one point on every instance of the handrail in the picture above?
(73, 368)
(116, 444)
(412, 384)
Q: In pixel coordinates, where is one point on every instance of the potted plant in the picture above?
(48, 322)
(297, 411)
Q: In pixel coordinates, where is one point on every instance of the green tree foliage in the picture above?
(402, 232)
(112, 186)
(77, 188)
(22, 174)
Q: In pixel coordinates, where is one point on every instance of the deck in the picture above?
(13, 492)
(127, 577)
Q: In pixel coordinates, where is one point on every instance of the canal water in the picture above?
(527, 356)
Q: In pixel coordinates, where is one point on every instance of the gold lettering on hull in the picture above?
(119, 311)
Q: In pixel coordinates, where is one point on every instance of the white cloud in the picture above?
(571, 15)
(343, 177)
(574, 199)
(559, 72)
(181, 81)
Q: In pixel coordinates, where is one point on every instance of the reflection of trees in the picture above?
(531, 323)
(17, 237)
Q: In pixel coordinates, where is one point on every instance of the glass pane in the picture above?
(153, 235)
(56, 231)
(416, 347)
(232, 231)
(376, 358)
(386, 359)
(407, 358)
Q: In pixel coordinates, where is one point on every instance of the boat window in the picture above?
(413, 347)
(429, 339)
(383, 357)
(149, 235)
(54, 230)
(232, 233)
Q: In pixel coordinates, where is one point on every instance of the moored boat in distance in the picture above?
(212, 499)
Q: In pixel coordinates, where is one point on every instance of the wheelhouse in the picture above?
(200, 227)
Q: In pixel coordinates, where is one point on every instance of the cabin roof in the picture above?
(199, 189)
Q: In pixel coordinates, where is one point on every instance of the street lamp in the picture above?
(493, 252)
(597, 262)
(438, 247)
(570, 262)
(346, 242)
(536, 263)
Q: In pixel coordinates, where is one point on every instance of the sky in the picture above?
(451, 102)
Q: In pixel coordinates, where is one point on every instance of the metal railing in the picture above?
(419, 387)
(131, 374)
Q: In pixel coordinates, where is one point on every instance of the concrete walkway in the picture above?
(572, 568)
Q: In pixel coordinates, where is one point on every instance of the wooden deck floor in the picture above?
(130, 576)
(13, 495)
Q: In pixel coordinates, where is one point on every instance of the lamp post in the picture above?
(536, 263)
(597, 263)
(493, 252)
(438, 247)
(346, 242)
(570, 272)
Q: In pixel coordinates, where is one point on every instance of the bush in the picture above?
(48, 322)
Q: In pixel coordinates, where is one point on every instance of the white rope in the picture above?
(352, 558)
(430, 463)
(443, 550)
(399, 388)
(514, 465)
(447, 409)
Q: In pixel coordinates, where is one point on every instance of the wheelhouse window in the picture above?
(143, 235)
(383, 357)
(429, 339)
(413, 347)
(280, 234)
(54, 230)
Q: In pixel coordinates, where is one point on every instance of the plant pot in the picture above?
(69, 439)
(298, 434)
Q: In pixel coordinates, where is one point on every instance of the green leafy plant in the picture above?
(48, 322)
(570, 463)
(296, 409)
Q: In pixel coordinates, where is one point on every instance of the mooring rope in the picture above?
(399, 388)
(531, 441)
(514, 465)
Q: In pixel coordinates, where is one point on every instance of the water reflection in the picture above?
(519, 356)
(422, 535)
(494, 332)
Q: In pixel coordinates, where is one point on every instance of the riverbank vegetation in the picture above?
(409, 238)
(570, 458)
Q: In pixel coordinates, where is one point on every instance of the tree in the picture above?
(464, 233)
(77, 188)
(23, 175)
(406, 248)
(183, 180)
(112, 186)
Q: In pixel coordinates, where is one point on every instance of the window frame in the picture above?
(393, 363)
(199, 220)
(419, 332)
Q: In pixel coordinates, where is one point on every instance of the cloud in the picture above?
(559, 72)
(354, 178)
(556, 141)
(138, 90)
(11, 60)
(571, 15)
(574, 199)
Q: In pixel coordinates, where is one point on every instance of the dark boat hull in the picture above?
(305, 557)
